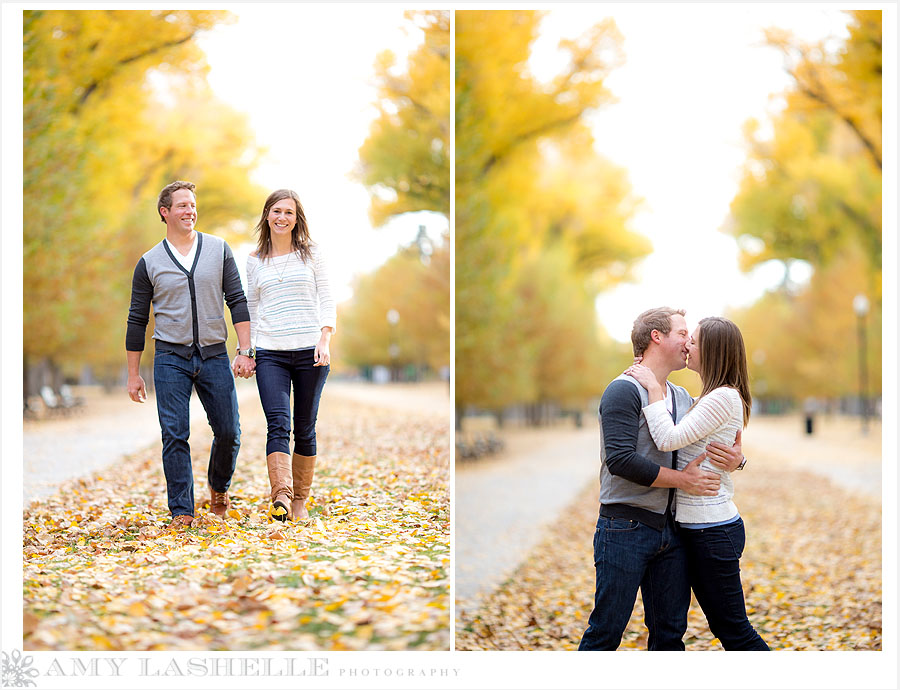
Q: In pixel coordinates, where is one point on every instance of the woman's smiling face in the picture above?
(282, 217)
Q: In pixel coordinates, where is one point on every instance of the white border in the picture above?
(472, 669)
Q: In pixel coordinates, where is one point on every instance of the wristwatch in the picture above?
(247, 353)
(743, 462)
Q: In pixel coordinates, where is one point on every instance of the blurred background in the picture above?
(352, 113)
(726, 161)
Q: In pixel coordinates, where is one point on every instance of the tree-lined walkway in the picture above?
(811, 568)
(370, 570)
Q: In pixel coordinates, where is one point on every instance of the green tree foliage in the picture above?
(405, 161)
(541, 218)
(420, 294)
(116, 105)
(812, 191)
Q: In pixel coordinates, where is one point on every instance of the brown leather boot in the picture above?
(279, 465)
(219, 503)
(303, 467)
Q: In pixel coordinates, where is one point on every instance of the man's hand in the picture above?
(137, 391)
(726, 457)
(243, 366)
(699, 482)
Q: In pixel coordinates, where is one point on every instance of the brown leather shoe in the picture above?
(219, 503)
(181, 521)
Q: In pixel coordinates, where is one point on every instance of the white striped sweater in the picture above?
(288, 314)
(717, 416)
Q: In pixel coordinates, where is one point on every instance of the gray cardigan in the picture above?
(629, 459)
(187, 305)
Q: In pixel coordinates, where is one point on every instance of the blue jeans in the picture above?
(174, 377)
(276, 372)
(629, 555)
(714, 555)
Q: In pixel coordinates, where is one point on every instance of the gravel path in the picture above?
(502, 505)
(109, 427)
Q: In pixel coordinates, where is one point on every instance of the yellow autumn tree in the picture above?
(405, 160)
(417, 290)
(812, 192)
(404, 163)
(814, 186)
(116, 105)
(804, 342)
(541, 218)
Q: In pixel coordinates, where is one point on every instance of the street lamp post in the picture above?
(861, 307)
(425, 246)
(393, 317)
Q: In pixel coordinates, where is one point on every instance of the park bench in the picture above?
(473, 446)
(63, 403)
(32, 408)
(68, 399)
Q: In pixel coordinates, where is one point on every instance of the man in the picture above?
(185, 277)
(636, 544)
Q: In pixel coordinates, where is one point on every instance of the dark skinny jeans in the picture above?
(276, 372)
(714, 571)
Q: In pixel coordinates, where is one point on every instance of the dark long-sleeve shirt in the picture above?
(630, 460)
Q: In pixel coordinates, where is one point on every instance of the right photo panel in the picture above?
(668, 328)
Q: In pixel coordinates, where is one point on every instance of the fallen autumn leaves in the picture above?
(367, 571)
(811, 572)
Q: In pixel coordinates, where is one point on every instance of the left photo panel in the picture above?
(236, 330)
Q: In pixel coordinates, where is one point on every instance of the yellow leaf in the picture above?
(137, 609)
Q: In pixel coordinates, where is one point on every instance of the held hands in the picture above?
(726, 457)
(243, 366)
(137, 390)
(697, 481)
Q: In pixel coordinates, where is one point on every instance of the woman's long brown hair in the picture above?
(723, 359)
(300, 241)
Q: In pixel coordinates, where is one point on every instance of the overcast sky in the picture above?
(693, 75)
(313, 128)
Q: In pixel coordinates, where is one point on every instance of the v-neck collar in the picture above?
(175, 260)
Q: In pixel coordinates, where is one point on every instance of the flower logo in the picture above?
(17, 671)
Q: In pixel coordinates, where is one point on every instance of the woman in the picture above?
(292, 319)
(711, 526)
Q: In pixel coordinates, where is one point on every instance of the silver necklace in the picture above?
(283, 266)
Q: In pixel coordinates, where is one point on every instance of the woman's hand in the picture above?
(322, 356)
(647, 379)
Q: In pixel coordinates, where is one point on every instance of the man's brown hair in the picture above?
(165, 196)
(651, 320)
